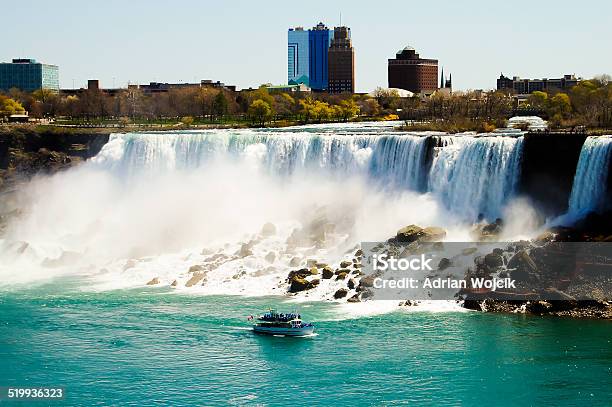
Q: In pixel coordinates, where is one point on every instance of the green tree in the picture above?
(10, 106)
(348, 109)
(560, 105)
(260, 112)
(538, 100)
(220, 104)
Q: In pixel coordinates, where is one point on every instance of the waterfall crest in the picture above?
(470, 175)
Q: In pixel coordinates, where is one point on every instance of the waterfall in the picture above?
(590, 182)
(400, 161)
(396, 159)
(475, 176)
(470, 175)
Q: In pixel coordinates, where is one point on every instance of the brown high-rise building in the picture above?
(341, 62)
(410, 72)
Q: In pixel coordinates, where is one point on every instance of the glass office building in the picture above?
(319, 39)
(28, 75)
(307, 59)
(298, 67)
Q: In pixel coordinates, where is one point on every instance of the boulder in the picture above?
(367, 281)
(328, 273)
(268, 229)
(298, 284)
(245, 250)
(341, 293)
(359, 253)
(409, 234)
(301, 273)
(196, 278)
(341, 276)
(351, 284)
(354, 298)
(433, 234)
(154, 281)
(444, 263)
(493, 260)
(346, 263)
(195, 268)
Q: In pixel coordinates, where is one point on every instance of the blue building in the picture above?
(307, 56)
(298, 62)
(28, 75)
(319, 39)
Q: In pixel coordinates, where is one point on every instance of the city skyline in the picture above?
(147, 42)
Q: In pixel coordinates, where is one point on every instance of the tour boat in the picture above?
(287, 324)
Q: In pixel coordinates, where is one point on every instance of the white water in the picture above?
(477, 176)
(591, 179)
(154, 205)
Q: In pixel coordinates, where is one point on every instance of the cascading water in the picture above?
(154, 205)
(476, 176)
(591, 180)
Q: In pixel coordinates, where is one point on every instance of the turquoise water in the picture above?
(147, 346)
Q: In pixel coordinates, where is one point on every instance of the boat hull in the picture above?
(308, 330)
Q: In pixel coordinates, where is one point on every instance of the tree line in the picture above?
(587, 104)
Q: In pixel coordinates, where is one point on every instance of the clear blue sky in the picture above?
(244, 42)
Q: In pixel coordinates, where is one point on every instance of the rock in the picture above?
(409, 234)
(444, 263)
(321, 265)
(354, 298)
(298, 273)
(342, 271)
(545, 237)
(344, 264)
(270, 257)
(268, 229)
(493, 260)
(295, 262)
(299, 284)
(367, 281)
(359, 253)
(196, 278)
(174, 283)
(433, 234)
(245, 250)
(311, 263)
(341, 293)
(154, 281)
(195, 268)
(522, 259)
(314, 271)
(328, 273)
(341, 276)
(351, 284)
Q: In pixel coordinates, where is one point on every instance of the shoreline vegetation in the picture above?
(585, 107)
